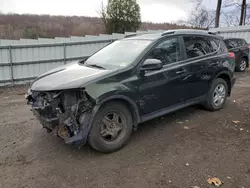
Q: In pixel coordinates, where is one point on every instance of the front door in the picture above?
(165, 87)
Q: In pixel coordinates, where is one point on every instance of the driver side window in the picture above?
(167, 51)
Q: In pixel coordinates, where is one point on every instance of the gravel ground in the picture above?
(179, 150)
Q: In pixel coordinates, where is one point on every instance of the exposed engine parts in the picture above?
(66, 113)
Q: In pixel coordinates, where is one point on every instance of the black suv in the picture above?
(240, 48)
(103, 98)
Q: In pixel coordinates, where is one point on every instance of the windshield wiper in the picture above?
(95, 65)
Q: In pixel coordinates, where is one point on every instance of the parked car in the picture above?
(102, 99)
(240, 48)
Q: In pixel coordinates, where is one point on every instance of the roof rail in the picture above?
(136, 34)
(131, 35)
(183, 31)
(212, 32)
(167, 32)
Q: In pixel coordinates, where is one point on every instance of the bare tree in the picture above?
(200, 17)
(103, 14)
(235, 12)
(230, 19)
(231, 3)
(218, 11)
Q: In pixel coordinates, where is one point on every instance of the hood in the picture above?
(68, 76)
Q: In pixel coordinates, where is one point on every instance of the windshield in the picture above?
(118, 54)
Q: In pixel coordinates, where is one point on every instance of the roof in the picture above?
(156, 36)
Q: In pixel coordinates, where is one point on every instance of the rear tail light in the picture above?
(231, 55)
(248, 46)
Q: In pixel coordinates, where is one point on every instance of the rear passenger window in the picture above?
(197, 46)
(228, 44)
(215, 44)
(234, 43)
(223, 46)
(231, 43)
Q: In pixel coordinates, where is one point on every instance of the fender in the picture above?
(224, 72)
(137, 118)
(82, 137)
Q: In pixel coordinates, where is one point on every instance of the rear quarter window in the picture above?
(215, 44)
(234, 43)
(242, 42)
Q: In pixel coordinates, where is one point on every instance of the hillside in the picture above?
(14, 26)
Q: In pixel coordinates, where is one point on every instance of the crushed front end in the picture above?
(65, 113)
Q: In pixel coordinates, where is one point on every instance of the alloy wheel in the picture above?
(243, 65)
(219, 95)
(112, 127)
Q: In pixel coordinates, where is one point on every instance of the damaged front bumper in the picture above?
(68, 114)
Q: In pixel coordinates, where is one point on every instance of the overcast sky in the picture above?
(151, 10)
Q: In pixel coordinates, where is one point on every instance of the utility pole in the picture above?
(218, 9)
(243, 13)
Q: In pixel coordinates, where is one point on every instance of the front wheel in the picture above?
(111, 128)
(217, 95)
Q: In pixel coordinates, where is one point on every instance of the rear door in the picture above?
(201, 62)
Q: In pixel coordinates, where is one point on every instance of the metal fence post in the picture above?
(11, 65)
(64, 53)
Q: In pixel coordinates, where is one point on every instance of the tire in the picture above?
(105, 144)
(209, 103)
(242, 65)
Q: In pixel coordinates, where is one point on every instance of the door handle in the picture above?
(181, 71)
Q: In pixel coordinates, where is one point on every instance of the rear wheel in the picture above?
(111, 128)
(242, 65)
(217, 95)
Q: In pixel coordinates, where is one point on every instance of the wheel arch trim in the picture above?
(221, 75)
(129, 101)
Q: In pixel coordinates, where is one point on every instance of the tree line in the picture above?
(15, 26)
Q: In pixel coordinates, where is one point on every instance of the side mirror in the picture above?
(151, 64)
